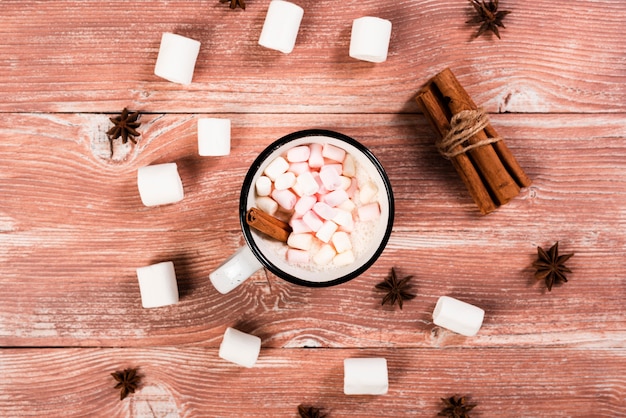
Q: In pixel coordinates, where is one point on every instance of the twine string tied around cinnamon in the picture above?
(463, 126)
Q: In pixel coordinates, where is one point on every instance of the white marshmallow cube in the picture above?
(177, 58)
(281, 26)
(458, 316)
(240, 348)
(285, 181)
(159, 184)
(370, 38)
(325, 255)
(307, 183)
(267, 205)
(349, 166)
(263, 186)
(344, 259)
(276, 168)
(157, 285)
(365, 376)
(341, 241)
(368, 192)
(213, 137)
(326, 231)
(300, 241)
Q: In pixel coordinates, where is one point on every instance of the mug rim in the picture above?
(247, 186)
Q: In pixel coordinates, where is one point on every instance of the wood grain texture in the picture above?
(195, 382)
(73, 217)
(73, 229)
(90, 56)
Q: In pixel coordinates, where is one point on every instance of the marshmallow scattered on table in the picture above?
(177, 58)
(458, 316)
(281, 26)
(159, 184)
(240, 348)
(365, 376)
(157, 285)
(370, 39)
(213, 137)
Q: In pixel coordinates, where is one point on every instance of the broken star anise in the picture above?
(310, 412)
(125, 126)
(488, 16)
(235, 3)
(456, 407)
(397, 290)
(127, 381)
(551, 266)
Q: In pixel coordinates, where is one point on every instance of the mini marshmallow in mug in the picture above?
(316, 267)
(281, 26)
(159, 184)
(370, 39)
(365, 376)
(157, 285)
(177, 58)
(240, 348)
(458, 316)
(213, 137)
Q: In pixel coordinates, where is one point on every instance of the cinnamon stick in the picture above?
(268, 224)
(489, 170)
(433, 109)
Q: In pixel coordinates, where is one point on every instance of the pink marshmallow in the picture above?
(298, 154)
(337, 167)
(304, 204)
(330, 178)
(369, 212)
(316, 160)
(298, 226)
(354, 185)
(285, 198)
(299, 168)
(322, 189)
(334, 153)
(324, 211)
(312, 221)
(335, 198)
(297, 256)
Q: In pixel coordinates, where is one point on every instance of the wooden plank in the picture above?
(195, 382)
(89, 56)
(73, 231)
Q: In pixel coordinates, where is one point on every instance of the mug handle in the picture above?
(235, 270)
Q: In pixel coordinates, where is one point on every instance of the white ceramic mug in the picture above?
(261, 251)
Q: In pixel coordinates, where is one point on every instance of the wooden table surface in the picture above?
(73, 229)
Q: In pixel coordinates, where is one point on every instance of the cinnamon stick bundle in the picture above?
(481, 158)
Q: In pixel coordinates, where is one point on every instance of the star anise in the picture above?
(127, 381)
(310, 412)
(550, 265)
(488, 17)
(397, 290)
(125, 126)
(235, 3)
(456, 407)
